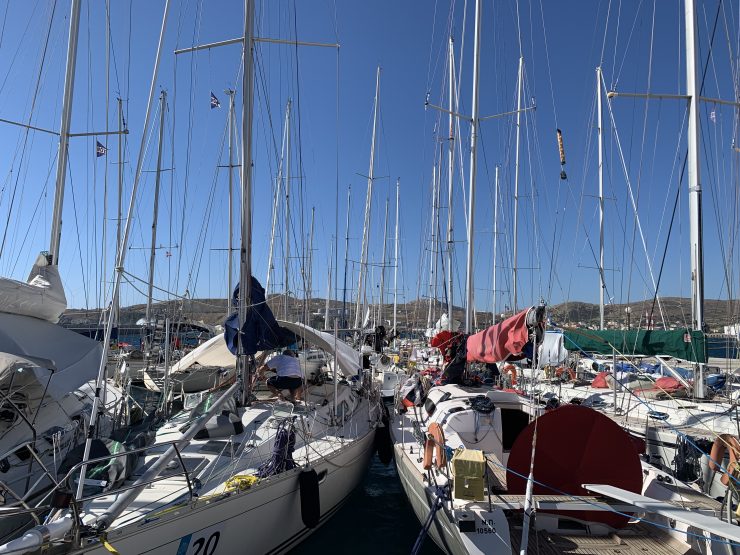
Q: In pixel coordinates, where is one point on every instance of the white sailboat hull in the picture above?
(264, 519)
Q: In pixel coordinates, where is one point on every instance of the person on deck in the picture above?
(288, 375)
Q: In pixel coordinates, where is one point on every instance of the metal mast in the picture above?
(276, 202)
(450, 175)
(286, 266)
(382, 267)
(153, 249)
(229, 270)
(346, 258)
(119, 215)
(395, 266)
(600, 132)
(328, 286)
(495, 245)
(308, 275)
(473, 167)
(245, 251)
(516, 180)
(368, 204)
(694, 179)
(69, 82)
(432, 252)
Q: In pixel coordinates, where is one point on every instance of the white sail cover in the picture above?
(213, 352)
(73, 358)
(346, 356)
(442, 324)
(41, 297)
(552, 352)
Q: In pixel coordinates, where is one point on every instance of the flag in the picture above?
(214, 101)
(713, 116)
(100, 149)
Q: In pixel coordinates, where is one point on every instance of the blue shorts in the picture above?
(285, 382)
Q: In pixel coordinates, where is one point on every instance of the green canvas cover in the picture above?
(684, 344)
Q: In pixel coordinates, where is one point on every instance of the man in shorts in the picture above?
(288, 375)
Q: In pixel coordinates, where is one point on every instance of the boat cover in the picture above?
(348, 359)
(73, 359)
(683, 344)
(260, 331)
(213, 352)
(503, 341)
(42, 296)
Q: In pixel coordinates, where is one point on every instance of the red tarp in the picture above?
(503, 341)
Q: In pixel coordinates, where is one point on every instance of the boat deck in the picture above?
(638, 538)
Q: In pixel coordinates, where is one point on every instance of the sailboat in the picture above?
(46, 371)
(239, 470)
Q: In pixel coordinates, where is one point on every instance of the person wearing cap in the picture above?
(288, 375)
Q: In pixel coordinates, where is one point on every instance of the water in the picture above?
(376, 520)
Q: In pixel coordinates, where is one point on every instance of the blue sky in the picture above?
(332, 95)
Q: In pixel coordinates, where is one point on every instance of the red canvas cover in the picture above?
(668, 383)
(503, 341)
(600, 381)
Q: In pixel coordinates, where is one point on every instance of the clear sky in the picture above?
(640, 44)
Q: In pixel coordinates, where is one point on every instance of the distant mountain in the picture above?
(415, 314)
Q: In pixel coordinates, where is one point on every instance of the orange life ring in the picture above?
(566, 369)
(434, 445)
(511, 369)
(717, 455)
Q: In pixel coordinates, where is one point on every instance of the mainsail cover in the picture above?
(214, 352)
(683, 344)
(42, 296)
(346, 356)
(260, 331)
(503, 341)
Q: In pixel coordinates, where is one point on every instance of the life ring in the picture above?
(434, 447)
(717, 456)
(565, 370)
(511, 369)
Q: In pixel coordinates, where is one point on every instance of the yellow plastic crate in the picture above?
(468, 470)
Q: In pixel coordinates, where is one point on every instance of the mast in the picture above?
(432, 252)
(309, 278)
(229, 270)
(473, 167)
(395, 266)
(119, 215)
(516, 179)
(495, 245)
(346, 253)
(450, 174)
(69, 81)
(245, 251)
(694, 179)
(328, 286)
(602, 285)
(276, 201)
(368, 204)
(286, 265)
(153, 249)
(382, 267)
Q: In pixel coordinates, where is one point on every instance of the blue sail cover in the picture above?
(260, 331)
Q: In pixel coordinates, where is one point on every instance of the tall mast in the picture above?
(395, 265)
(276, 202)
(602, 285)
(495, 246)
(69, 83)
(473, 168)
(450, 174)
(432, 247)
(694, 179)
(309, 273)
(516, 180)
(368, 204)
(346, 257)
(229, 270)
(286, 265)
(119, 214)
(328, 285)
(153, 249)
(245, 251)
(382, 267)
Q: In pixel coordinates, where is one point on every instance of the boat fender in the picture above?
(717, 455)
(310, 502)
(222, 425)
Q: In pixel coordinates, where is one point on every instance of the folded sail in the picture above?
(42, 296)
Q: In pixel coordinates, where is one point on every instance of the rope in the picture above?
(428, 522)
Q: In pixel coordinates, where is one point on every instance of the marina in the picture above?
(386, 277)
